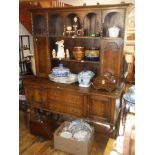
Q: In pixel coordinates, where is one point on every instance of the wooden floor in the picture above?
(34, 145)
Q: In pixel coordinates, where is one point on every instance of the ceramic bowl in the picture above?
(60, 71)
(78, 52)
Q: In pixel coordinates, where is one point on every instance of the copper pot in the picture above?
(78, 52)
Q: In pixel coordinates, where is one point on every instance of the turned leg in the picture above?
(28, 117)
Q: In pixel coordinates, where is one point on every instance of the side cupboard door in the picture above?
(42, 56)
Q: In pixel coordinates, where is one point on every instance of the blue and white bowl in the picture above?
(60, 71)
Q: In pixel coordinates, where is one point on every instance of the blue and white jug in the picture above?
(84, 78)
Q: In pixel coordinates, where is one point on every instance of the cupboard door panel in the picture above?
(42, 56)
(34, 96)
(99, 108)
(112, 57)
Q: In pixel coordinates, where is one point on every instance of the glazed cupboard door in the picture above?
(42, 56)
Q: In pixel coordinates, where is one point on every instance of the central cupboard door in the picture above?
(65, 102)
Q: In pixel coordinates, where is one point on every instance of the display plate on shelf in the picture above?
(72, 78)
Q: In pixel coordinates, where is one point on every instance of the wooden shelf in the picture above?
(80, 61)
(82, 37)
(85, 37)
(111, 38)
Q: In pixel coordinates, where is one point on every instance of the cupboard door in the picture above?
(42, 56)
(35, 96)
(99, 108)
(112, 57)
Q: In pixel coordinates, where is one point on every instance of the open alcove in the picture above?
(55, 25)
(113, 19)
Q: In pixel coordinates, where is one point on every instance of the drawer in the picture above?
(54, 94)
(74, 111)
(56, 106)
(67, 97)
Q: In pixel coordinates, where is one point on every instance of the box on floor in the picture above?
(72, 146)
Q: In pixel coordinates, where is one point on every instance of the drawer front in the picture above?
(74, 111)
(63, 107)
(56, 106)
(68, 97)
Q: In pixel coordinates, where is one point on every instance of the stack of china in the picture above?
(62, 75)
(84, 78)
(78, 130)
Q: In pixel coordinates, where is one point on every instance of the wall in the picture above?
(23, 31)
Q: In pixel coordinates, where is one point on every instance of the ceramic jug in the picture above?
(84, 78)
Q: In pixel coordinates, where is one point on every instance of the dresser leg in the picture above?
(28, 117)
